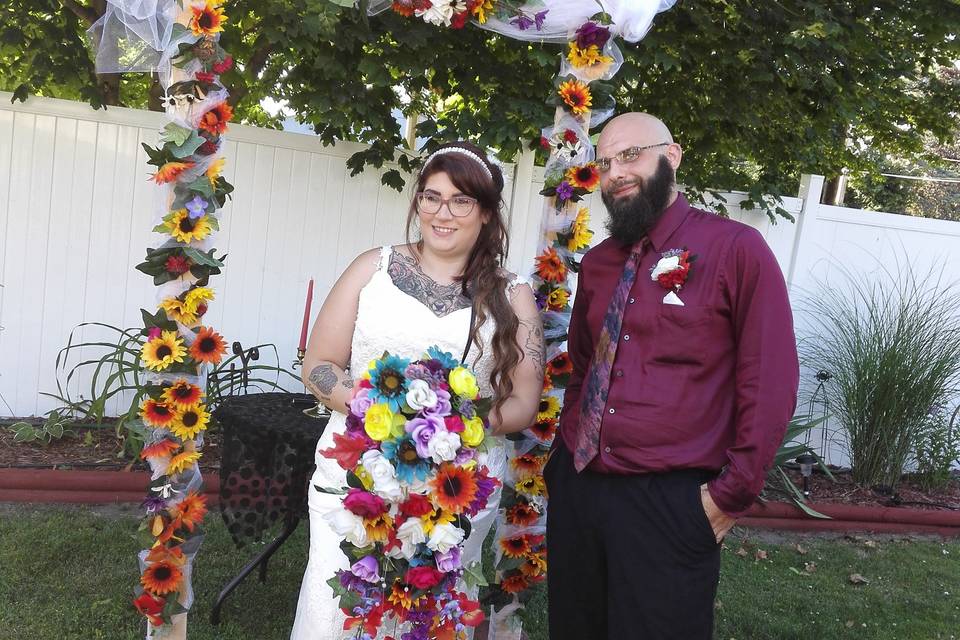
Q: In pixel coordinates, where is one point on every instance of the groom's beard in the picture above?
(632, 217)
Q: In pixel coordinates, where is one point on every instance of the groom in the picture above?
(684, 377)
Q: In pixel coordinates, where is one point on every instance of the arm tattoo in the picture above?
(441, 299)
(533, 345)
(323, 379)
(347, 383)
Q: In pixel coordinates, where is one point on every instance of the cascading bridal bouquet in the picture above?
(411, 450)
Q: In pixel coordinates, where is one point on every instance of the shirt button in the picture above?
(627, 337)
(631, 300)
(612, 410)
(606, 449)
(619, 373)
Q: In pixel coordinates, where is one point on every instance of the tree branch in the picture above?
(87, 14)
(251, 69)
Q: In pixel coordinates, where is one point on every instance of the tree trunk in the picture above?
(155, 95)
(109, 86)
(834, 190)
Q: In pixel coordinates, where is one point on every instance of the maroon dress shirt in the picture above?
(708, 385)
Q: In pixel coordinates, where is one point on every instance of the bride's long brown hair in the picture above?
(483, 281)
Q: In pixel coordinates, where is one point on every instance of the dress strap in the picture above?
(384, 261)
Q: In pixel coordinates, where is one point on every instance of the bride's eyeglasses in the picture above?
(459, 205)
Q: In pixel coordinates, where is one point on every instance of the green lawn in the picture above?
(68, 573)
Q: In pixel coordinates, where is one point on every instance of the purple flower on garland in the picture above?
(564, 191)
(197, 207)
(592, 33)
(541, 299)
(539, 17)
(523, 21)
(154, 504)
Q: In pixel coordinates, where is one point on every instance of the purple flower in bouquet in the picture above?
(564, 191)
(420, 371)
(485, 488)
(591, 33)
(467, 410)
(422, 430)
(465, 455)
(442, 408)
(449, 561)
(366, 569)
(354, 424)
(350, 581)
(360, 403)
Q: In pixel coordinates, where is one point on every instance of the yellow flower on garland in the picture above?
(182, 461)
(213, 171)
(558, 299)
(549, 408)
(576, 95)
(463, 383)
(481, 9)
(189, 422)
(176, 309)
(584, 177)
(208, 19)
(196, 297)
(161, 352)
(183, 228)
(550, 266)
(589, 57)
(378, 423)
(182, 394)
(531, 486)
(580, 234)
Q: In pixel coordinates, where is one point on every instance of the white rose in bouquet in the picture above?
(444, 536)
(385, 483)
(444, 446)
(410, 534)
(420, 396)
(348, 525)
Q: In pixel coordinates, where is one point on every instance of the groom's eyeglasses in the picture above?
(460, 205)
(628, 155)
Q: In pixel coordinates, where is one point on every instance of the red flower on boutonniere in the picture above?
(673, 269)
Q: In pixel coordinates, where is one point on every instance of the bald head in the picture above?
(633, 129)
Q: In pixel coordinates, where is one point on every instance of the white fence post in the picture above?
(811, 186)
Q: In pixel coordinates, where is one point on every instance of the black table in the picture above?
(266, 464)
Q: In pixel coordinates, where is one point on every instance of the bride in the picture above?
(447, 289)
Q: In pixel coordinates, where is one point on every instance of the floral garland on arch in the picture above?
(179, 346)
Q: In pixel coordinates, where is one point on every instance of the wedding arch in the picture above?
(179, 40)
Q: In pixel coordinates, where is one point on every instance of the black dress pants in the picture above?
(630, 556)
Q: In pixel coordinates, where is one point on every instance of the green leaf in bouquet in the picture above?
(332, 492)
(176, 134)
(353, 481)
(483, 405)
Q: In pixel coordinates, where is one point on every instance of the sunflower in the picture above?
(183, 228)
(522, 514)
(389, 384)
(560, 365)
(558, 299)
(151, 607)
(550, 266)
(576, 95)
(435, 517)
(197, 299)
(515, 583)
(379, 528)
(405, 8)
(161, 578)
(454, 488)
(515, 547)
(190, 422)
(170, 171)
(159, 449)
(402, 596)
(182, 394)
(585, 176)
(587, 57)
(531, 486)
(208, 346)
(157, 413)
(547, 383)
(161, 352)
(481, 9)
(190, 510)
(208, 19)
(549, 408)
(528, 463)
(534, 566)
(214, 170)
(215, 121)
(176, 309)
(580, 233)
(544, 431)
(182, 461)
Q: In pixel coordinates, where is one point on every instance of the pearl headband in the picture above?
(460, 150)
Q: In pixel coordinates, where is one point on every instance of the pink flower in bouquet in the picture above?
(423, 577)
(364, 504)
(454, 424)
(366, 569)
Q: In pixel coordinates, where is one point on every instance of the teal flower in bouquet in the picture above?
(388, 382)
(402, 453)
(445, 359)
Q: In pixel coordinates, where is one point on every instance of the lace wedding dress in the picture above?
(387, 320)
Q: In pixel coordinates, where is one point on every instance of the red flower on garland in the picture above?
(550, 266)
(204, 76)
(178, 265)
(215, 121)
(570, 136)
(151, 607)
(224, 65)
(515, 583)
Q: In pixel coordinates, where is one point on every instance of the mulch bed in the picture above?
(95, 448)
